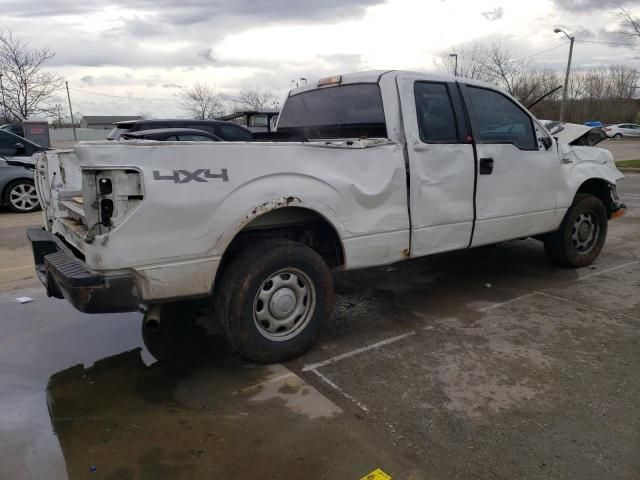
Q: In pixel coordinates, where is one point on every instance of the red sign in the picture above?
(37, 131)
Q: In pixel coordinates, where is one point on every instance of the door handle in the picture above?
(486, 166)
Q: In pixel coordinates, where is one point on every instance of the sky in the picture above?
(132, 56)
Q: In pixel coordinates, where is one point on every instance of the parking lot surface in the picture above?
(487, 363)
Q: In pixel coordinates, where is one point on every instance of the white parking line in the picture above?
(586, 305)
(607, 270)
(353, 399)
(506, 302)
(357, 351)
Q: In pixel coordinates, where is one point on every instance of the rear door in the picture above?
(518, 177)
(441, 165)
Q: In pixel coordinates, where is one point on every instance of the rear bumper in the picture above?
(66, 276)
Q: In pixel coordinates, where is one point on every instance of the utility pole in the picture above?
(455, 68)
(73, 123)
(563, 106)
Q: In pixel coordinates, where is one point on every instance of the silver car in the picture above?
(622, 130)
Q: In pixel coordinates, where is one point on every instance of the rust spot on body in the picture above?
(405, 253)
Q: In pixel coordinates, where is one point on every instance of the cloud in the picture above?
(589, 5)
(493, 15)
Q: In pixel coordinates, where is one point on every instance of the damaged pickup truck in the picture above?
(379, 167)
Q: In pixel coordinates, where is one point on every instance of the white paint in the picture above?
(357, 351)
(607, 270)
(349, 397)
(506, 302)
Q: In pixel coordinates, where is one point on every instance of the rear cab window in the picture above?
(345, 111)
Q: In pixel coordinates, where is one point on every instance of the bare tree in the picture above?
(471, 62)
(26, 87)
(202, 101)
(145, 115)
(629, 23)
(256, 99)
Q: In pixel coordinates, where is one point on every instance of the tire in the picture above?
(617, 135)
(21, 196)
(272, 300)
(582, 233)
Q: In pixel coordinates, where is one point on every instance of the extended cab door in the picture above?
(441, 165)
(519, 169)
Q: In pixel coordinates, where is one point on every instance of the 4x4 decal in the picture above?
(185, 176)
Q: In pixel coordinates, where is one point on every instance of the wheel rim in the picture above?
(284, 304)
(23, 197)
(585, 232)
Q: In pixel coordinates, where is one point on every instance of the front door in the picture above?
(519, 170)
(441, 165)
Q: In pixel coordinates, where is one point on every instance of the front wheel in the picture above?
(582, 233)
(272, 300)
(617, 135)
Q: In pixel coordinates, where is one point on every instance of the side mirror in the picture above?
(546, 142)
(20, 149)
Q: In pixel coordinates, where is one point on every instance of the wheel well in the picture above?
(293, 223)
(599, 188)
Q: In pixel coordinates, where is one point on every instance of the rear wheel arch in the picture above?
(299, 224)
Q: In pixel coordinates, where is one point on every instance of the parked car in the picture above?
(396, 165)
(17, 190)
(227, 131)
(13, 128)
(172, 135)
(622, 130)
(12, 145)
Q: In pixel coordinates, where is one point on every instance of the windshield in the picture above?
(349, 111)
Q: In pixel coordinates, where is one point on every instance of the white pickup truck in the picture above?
(379, 167)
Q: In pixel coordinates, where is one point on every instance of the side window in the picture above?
(258, 121)
(233, 134)
(172, 138)
(7, 145)
(436, 120)
(499, 120)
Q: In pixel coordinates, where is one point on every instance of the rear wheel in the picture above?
(581, 236)
(21, 196)
(272, 300)
(617, 135)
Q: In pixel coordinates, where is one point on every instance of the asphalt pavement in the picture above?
(487, 363)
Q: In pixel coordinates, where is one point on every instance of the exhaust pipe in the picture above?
(151, 318)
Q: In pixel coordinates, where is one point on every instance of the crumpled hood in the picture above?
(574, 134)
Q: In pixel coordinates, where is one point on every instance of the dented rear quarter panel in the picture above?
(360, 191)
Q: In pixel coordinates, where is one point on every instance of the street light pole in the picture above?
(455, 68)
(73, 123)
(566, 77)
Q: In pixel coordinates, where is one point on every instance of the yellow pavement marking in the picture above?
(377, 474)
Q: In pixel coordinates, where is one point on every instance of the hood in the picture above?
(574, 134)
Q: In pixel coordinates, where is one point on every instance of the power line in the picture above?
(544, 51)
(124, 97)
(607, 43)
